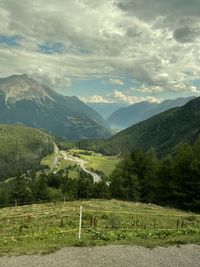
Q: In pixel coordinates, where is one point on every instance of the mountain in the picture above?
(27, 102)
(22, 148)
(106, 109)
(128, 116)
(164, 132)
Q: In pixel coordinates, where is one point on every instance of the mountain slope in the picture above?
(22, 148)
(128, 116)
(163, 132)
(25, 101)
(82, 108)
(106, 109)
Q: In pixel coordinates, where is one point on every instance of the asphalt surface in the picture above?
(110, 256)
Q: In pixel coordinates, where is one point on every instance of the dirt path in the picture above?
(111, 256)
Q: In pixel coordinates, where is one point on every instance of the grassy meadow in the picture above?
(98, 162)
(46, 227)
(94, 162)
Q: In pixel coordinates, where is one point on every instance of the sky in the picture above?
(104, 51)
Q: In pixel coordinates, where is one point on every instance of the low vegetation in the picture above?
(46, 227)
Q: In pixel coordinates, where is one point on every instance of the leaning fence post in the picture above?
(80, 222)
(15, 202)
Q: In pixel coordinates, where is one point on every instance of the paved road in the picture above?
(81, 163)
(111, 256)
(55, 160)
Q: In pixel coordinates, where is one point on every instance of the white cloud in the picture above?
(95, 99)
(114, 81)
(149, 89)
(121, 97)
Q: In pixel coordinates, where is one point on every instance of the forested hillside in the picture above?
(127, 116)
(21, 149)
(163, 132)
(171, 181)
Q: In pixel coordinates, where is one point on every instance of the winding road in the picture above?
(81, 163)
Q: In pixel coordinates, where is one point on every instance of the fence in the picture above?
(64, 222)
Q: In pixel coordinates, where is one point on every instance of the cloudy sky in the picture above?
(104, 50)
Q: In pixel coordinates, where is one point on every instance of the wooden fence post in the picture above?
(80, 222)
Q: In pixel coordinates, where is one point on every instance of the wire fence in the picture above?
(61, 220)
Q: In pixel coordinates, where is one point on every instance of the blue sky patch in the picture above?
(51, 48)
(9, 41)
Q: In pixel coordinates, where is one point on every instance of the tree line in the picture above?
(49, 186)
(171, 181)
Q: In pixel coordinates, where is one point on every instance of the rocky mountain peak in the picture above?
(19, 87)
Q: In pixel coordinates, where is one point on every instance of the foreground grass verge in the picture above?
(46, 227)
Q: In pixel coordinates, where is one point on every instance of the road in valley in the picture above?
(56, 157)
(81, 163)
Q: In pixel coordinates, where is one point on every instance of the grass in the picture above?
(46, 227)
(101, 163)
(97, 162)
(61, 164)
(48, 160)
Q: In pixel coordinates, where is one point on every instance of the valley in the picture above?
(164, 132)
(90, 162)
(100, 133)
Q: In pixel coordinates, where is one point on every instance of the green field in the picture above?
(46, 227)
(101, 163)
(61, 165)
(96, 161)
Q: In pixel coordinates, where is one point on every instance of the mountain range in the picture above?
(25, 101)
(164, 132)
(106, 109)
(128, 116)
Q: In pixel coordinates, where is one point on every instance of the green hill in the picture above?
(163, 132)
(21, 149)
(128, 116)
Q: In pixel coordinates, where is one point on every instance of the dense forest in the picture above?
(171, 181)
(21, 149)
(49, 186)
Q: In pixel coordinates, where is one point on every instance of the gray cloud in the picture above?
(152, 8)
(155, 42)
(186, 34)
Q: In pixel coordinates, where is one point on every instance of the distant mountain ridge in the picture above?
(164, 132)
(106, 109)
(27, 102)
(128, 116)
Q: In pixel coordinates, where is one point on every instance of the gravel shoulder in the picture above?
(111, 256)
